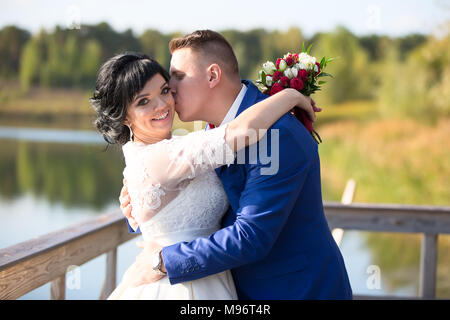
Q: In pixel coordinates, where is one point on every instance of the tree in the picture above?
(350, 69)
(31, 62)
(90, 61)
(12, 42)
(418, 86)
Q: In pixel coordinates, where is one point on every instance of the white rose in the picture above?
(294, 72)
(269, 67)
(288, 73)
(316, 68)
(269, 81)
(282, 66)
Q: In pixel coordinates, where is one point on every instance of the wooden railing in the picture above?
(430, 221)
(31, 264)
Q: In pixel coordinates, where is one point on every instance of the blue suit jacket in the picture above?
(275, 238)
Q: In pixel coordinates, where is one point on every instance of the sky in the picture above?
(390, 17)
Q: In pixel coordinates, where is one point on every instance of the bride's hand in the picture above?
(307, 104)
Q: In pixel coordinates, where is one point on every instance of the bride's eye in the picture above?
(143, 102)
(166, 90)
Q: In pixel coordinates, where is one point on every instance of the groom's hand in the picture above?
(141, 271)
(125, 205)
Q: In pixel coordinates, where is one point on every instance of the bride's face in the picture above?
(151, 112)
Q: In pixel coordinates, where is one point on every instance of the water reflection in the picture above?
(398, 257)
(75, 174)
(51, 135)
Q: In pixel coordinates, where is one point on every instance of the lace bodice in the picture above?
(174, 190)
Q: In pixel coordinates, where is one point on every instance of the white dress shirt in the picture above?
(231, 114)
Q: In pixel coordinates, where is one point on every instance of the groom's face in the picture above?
(189, 84)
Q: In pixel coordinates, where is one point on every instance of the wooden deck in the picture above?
(31, 264)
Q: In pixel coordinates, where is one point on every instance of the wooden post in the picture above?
(428, 266)
(347, 198)
(58, 288)
(111, 270)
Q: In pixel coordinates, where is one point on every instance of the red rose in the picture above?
(296, 83)
(277, 64)
(277, 75)
(295, 57)
(275, 88)
(289, 61)
(318, 68)
(303, 75)
(284, 81)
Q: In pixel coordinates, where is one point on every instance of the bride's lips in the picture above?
(167, 117)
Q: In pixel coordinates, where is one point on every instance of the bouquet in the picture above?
(299, 71)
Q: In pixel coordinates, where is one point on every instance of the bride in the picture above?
(176, 195)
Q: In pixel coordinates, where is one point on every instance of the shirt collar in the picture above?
(235, 106)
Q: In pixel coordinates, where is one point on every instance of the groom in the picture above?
(274, 237)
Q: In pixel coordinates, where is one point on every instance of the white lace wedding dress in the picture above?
(176, 196)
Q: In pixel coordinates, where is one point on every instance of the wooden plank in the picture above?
(428, 266)
(58, 288)
(30, 264)
(388, 218)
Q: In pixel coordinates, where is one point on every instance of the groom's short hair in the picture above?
(211, 44)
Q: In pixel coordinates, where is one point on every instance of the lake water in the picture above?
(51, 179)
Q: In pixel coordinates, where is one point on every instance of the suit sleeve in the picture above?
(130, 229)
(264, 206)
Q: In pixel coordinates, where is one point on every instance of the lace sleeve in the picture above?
(155, 173)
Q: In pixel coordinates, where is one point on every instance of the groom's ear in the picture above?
(214, 73)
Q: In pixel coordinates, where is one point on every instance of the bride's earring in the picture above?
(131, 132)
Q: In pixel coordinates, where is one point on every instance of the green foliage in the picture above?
(419, 85)
(31, 62)
(12, 42)
(350, 68)
(71, 58)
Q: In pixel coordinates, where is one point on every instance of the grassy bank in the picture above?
(51, 108)
(392, 160)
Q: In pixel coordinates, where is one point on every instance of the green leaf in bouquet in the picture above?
(324, 74)
(263, 77)
(322, 63)
(309, 48)
(303, 47)
(322, 82)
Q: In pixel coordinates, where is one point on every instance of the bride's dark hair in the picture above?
(119, 80)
